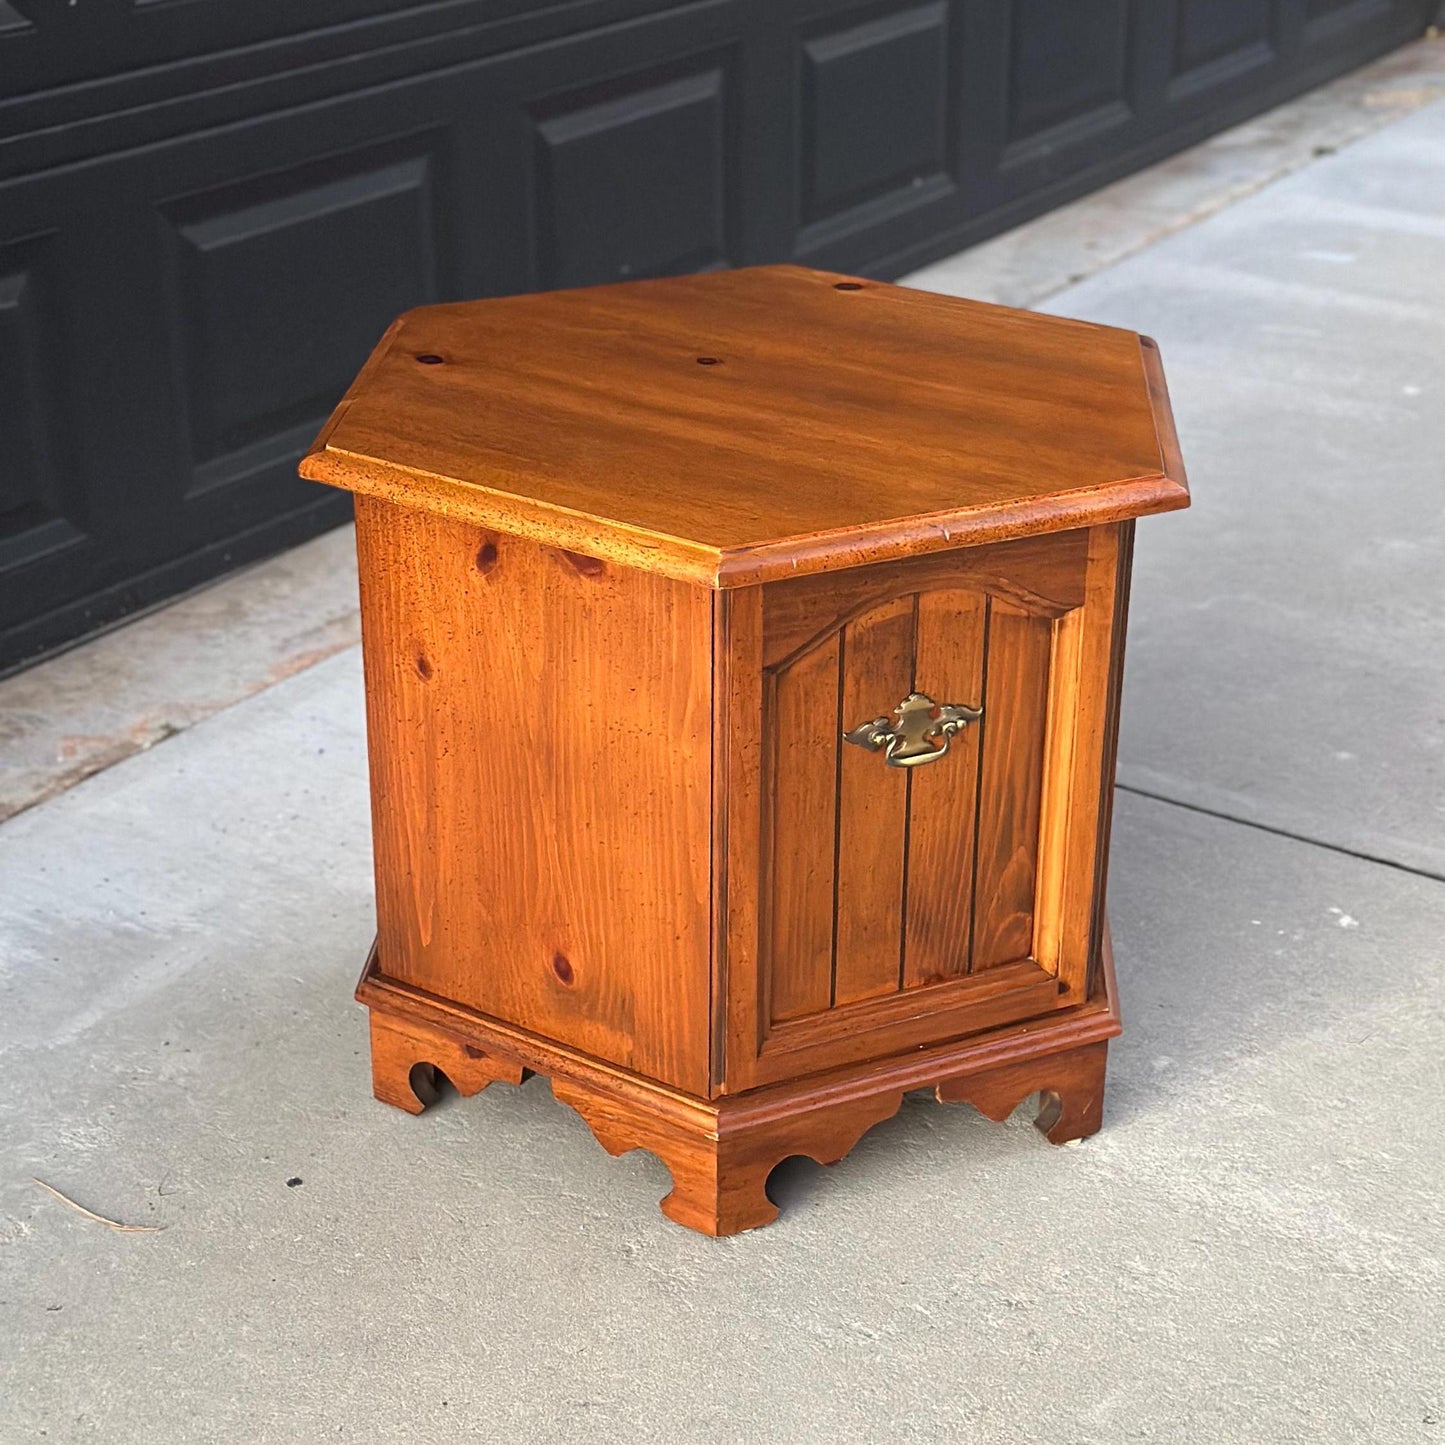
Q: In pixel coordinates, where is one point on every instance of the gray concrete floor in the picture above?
(1252, 1249)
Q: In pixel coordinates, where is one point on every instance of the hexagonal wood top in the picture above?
(737, 426)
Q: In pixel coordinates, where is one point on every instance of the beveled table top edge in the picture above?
(723, 567)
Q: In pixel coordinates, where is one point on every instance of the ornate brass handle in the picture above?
(921, 734)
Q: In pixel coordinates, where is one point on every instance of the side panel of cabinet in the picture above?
(540, 857)
(873, 908)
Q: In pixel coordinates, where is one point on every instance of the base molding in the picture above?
(405, 1063)
(720, 1151)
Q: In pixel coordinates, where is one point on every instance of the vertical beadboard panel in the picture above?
(1011, 781)
(804, 778)
(944, 796)
(873, 808)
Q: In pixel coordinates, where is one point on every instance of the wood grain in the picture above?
(876, 1027)
(943, 799)
(803, 780)
(872, 809)
(1043, 575)
(721, 1151)
(1086, 674)
(1163, 410)
(910, 897)
(742, 900)
(1071, 1084)
(878, 422)
(618, 837)
(719, 1182)
(406, 1060)
(1099, 954)
(540, 738)
(1011, 783)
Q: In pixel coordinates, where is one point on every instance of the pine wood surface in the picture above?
(620, 610)
(942, 827)
(734, 427)
(893, 905)
(720, 1152)
(873, 802)
(1010, 784)
(539, 729)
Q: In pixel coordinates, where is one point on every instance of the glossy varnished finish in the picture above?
(539, 729)
(1010, 784)
(620, 836)
(938, 912)
(735, 427)
(872, 809)
(957, 895)
(720, 1152)
(404, 1070)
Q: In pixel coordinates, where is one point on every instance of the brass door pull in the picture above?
(921, 734)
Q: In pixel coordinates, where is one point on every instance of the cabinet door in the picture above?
(871, 906)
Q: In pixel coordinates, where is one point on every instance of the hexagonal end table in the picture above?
(742, 660)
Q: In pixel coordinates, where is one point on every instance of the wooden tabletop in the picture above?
(737, 426)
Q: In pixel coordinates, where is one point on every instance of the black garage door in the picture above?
(210, 210)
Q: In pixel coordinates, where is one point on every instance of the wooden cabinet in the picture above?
(743, 658)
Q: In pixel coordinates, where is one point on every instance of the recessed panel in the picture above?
(285, 283)
(1209, 30)
(876, 107)
(888, 876)
(1216, 40)
(948, 666)
(872, 809)
(1068, 65)
(33, 468)
(805, 744)
(633, 181)
(899, 811)
(1011, 769)
(1325, 18)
